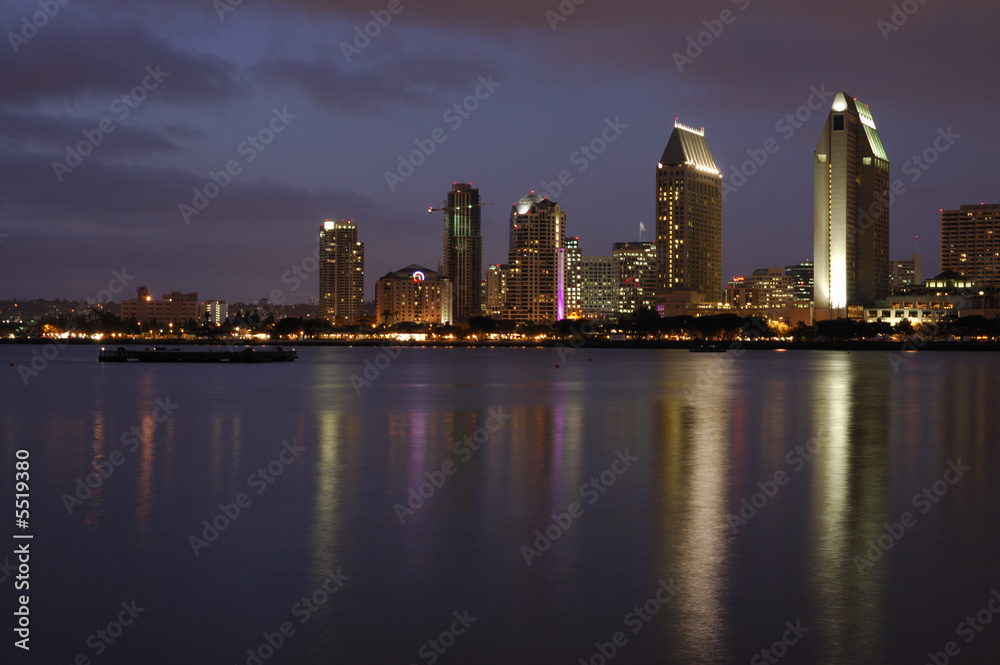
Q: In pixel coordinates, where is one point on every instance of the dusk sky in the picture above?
(345, 109)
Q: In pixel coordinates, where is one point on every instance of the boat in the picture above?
(707, 348)
(161, 354)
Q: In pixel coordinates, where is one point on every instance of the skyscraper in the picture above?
(970, 242)
(598, 286)
(688, 217)
(341, 273)
(573, 278)
(850, 210)
(463, 249)
(635, 276)
(535, 286)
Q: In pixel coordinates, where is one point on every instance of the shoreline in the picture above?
(886, 346)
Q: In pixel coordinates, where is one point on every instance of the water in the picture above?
(673, 441)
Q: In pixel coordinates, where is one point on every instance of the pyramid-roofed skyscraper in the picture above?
(688, 217)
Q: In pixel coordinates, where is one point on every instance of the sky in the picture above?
(198, 145)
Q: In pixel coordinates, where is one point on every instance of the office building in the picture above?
(905, 273)
(765, 289)
(496, 290)
(688, 218)
(573, 279)
(634, 266)
(850, 210)
(214, 312)
(341, 273)
(801, 275)
(413, 294)
(535, 286)
(970, 242)
(174, 308)
(463, 249)
(597, 286)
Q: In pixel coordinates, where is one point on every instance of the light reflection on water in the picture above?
(879, 437)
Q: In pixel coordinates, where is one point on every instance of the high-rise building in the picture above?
(688, 217)
(214, 311)
(634, 266)
(463, 249)
(535, 286)
(413, 294)
(597, 288)
(496, 290)
(851, 209)
(970, 242)
(573, 278)
(341, 273)
(905, 273)
(801, 275)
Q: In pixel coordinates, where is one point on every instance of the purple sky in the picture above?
(62, 234)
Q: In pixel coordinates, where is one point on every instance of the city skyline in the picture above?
(262, 139)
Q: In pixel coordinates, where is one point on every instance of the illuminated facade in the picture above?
(535, 284)
(905, 273)
(573, 278)
(970, 242)
(176, 307)
(341, 273)
(634, 266)
(766, 288)
(597, 288)
(851, 210)
(463, 249)
(413, 294)
(688, 217)
(496, 290)
(214, 311)
(801, 275)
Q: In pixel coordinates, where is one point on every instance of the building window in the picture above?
(838, 123)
